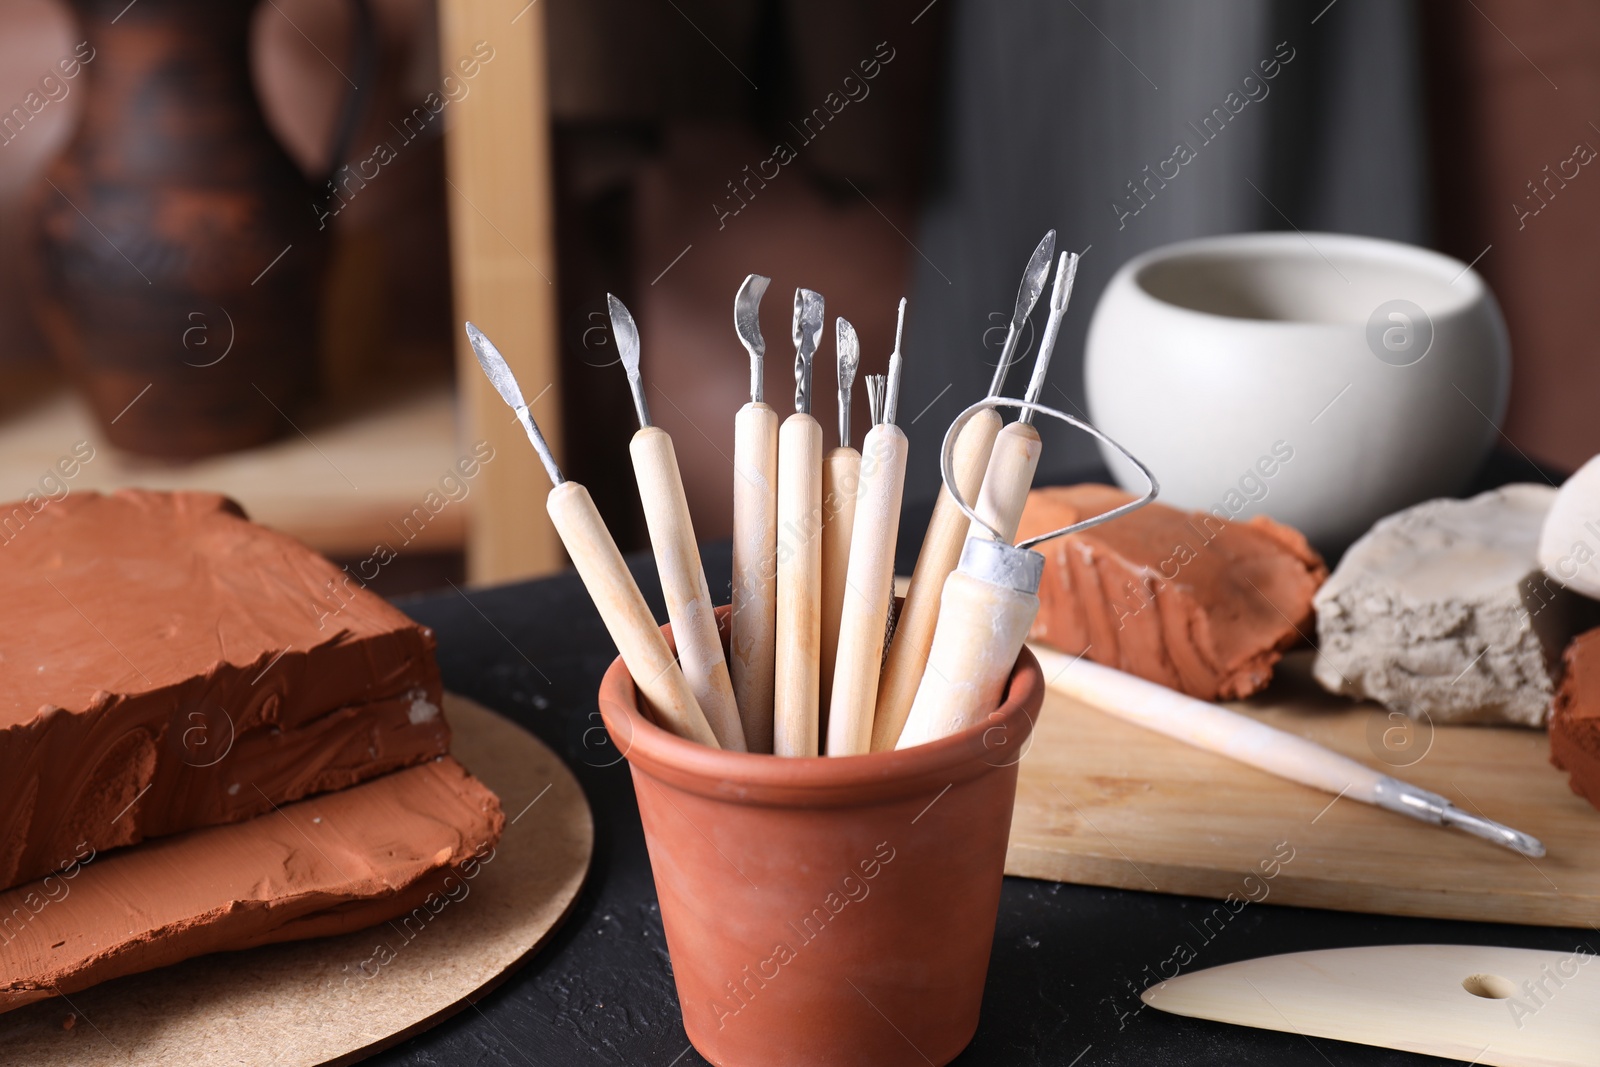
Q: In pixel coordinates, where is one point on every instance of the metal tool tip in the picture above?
(754, 287)
(1499, 833)
(747, 324)
(849, 346)
(1066, 274)
(626, 332)
(808, 319)
(899, 324)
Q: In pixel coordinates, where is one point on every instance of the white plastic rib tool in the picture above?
(796, 697)
(615, 594)
(989, 603)
(841, 477)
(752, 641)
(948, 529)
(1015, 456)
(870, 585)
(683, 577)
(1240, 737)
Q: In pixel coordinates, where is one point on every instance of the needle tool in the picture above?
(870, 585)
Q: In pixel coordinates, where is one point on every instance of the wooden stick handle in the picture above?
(1205, 725)
(1007, 480)
(941, 550)
(794, 715)
(683, 583)
(754, 620)
(622, 608)
(841, 477)
(981, 630)
(870, 588)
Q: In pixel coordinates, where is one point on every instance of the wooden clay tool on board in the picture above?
(795, 699)
(1514, 1007)
(989, 602)
(1239, 737)
(752, 641)
(1015, 456)
(683, 578)
(841, 471)
(871, 572)
(612, 588)
(947, 529)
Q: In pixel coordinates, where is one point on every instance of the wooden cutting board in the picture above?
(336, 1000)
(1102, 802)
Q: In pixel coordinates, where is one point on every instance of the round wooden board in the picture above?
(336, 1000)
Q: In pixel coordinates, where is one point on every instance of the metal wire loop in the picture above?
(947, 473)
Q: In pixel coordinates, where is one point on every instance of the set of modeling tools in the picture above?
(817, 661)
(814, 663)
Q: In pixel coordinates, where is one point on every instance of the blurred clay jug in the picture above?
(180, 255)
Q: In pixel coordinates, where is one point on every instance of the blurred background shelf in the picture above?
(353, 475)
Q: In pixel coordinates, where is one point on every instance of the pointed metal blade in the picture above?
(1033, 279)
(505, 383)
(1483, 1004)
(848, 348)
(747, 325)
(626, 334)
(807, 331)
(627, 337)
(495, 367)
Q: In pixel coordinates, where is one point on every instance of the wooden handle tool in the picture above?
(683, 577)
(1015, 456)
(871, 574)
(753, 636)
(610, 584)
(941, 549)
(988, 604)
(947, 529)
(1240, 737)
(796, 696)
(841, 476)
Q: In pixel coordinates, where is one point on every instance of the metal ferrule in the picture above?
(1018, 569)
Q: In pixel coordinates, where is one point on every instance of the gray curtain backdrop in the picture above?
(1054, 106)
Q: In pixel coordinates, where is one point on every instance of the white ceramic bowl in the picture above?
(1321, 379)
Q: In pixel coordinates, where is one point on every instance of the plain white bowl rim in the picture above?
(1458, 276)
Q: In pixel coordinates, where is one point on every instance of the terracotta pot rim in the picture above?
(821, 781)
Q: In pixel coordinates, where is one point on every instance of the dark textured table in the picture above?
(1067, 960)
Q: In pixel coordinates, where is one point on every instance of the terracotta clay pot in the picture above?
(828, 911)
